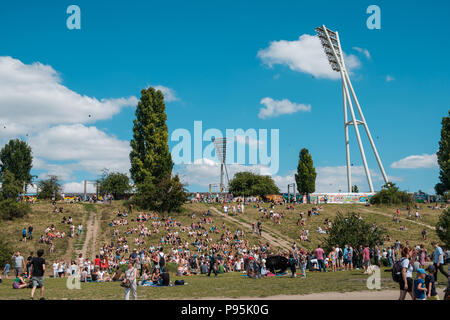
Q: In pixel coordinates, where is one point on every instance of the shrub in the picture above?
(443, 227)
(6, 252)
(390, 194)
(352, 230)
(11, 209)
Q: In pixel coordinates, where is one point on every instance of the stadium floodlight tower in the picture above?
(220, 145)
(332, 46)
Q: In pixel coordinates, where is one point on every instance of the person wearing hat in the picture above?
(430, 284)
(419, 285)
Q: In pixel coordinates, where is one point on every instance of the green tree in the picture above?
(116, 183)
(350, 229)
(252, 184)
(168, 195)
(49, 187)
(355, 189)
(443, 227)
(306, 173)
(443, 156)
(11, 188)
(150, 155)
(11, 209)
(6, 252)
(390, 194)
(16, 158)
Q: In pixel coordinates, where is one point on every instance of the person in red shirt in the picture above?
(104, 264)
(366, 258)
(319, 253)
(97, 261)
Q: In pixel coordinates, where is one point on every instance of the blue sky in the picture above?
(206, 54)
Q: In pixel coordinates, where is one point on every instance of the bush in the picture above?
(6, 253)
(443, 227)
(351, 230)
(11, 209)
(390, 194)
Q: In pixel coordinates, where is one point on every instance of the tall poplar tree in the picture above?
(443, 157)
(150, 156)
(306, 173)
(151, 161)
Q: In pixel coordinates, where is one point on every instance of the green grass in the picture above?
(231, 285)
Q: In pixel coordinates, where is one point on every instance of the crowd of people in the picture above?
(203, 246)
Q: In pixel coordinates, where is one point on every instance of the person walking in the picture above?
(292, 265)
(438, 260)
(130, 281)
(406, 281)
(212, 262)
(37, 273)
(30, 232)
(366, 258)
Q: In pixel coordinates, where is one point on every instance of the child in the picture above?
(430, 284)
(419, 285)
(6, 270)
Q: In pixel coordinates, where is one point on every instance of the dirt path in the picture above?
(91, 235)
(354, 295)
(269, 235)
(390, 216)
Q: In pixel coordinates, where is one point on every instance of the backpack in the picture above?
(179, 282)
(397, 270)
(340, 254)
(162, 261)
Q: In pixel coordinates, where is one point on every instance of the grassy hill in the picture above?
(96, 232)
(42, 216)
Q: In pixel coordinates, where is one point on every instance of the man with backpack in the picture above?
(162, 259)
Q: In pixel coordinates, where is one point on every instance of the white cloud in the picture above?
(78, 187)
(169, 94)
(275, 108)
(363, 51)
(32, 97)
(81, 148)
(206, 171)
(304, 55)
(389, 78)
(34, 103)
(416, 161)
(329, 179)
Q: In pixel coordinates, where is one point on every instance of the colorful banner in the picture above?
(340, 197)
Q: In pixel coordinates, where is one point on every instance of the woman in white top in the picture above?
(406, 280)
(130, 275)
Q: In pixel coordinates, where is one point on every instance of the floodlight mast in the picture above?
(220, 145)
(333, 50)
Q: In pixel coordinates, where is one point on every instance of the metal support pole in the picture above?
(347, 142)
(85, 189)
(221, 177)
(358, 137)
(367, 129)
